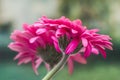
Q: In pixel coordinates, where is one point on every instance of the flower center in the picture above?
(50, 55)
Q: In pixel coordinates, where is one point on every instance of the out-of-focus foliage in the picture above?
(85, 9)
(5, 27)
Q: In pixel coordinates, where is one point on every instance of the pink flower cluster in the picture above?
(60, 34)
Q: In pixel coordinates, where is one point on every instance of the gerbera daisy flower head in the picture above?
(46, 39)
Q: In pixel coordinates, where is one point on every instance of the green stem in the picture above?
(56, 68)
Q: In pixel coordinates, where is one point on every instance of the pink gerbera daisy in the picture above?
(46, 39)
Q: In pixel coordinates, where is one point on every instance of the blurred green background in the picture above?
(101, 14)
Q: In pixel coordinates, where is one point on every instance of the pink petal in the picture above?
(109, 47)
(38, 25)
(41, 42)
(106, 37)
(94, 30)
(15, 35)
(17, 47)
(71, 46)
(32, 40)
(27, 34)
(47, 66)
(63, 26)
(18, 55)
(41, 31)
(34, 68)
(84, 42)
(38, 62)
(21, 60)
(27, 60)
(95, 51)
(82, 50)
(25, 26)
(60, 32)
(70, 66)
(102, 51)
(78, 58)
(87, 50)
(56, 44)
(74, 31)
(77, 22)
